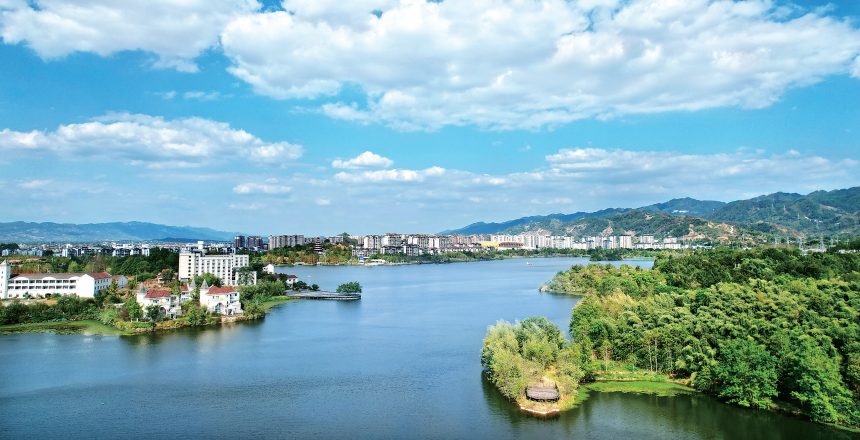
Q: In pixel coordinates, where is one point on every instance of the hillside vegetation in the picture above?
(754, 328)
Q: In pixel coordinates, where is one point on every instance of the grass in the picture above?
(277, 300)
(640, 387)
(63, 328)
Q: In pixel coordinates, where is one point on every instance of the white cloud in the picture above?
(150, 141)
(34, 184)
(257, 188)
(323, 202)
(176, 31)
(203, 96)
(390, 175)
(504, 64)
(167, 95)
(364, 160)
(245, 206)
(577, 180)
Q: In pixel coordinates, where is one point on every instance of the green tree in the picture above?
(152, 312)
(351, 287)
(745, 374)
(135, 311)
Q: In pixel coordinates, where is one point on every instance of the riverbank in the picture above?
(87, 327)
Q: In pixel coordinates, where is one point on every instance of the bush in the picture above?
(351, 287)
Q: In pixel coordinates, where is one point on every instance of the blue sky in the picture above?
(319, 117)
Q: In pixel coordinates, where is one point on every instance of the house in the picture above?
(167, 302)
(223, 300)
(269, 268)
(121, 281)
(289, 280)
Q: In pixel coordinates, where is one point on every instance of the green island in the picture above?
(767, 329)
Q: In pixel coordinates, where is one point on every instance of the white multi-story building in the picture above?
(391, 240)
(84, 285)
(226, 267)
(223, 300)
(625, 241)
(167, 302)
(372, 242)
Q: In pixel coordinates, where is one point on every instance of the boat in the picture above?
(528, 264)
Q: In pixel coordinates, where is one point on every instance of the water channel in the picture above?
(403, 362)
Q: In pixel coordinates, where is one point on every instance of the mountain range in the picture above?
(24, 232)
(815, 214)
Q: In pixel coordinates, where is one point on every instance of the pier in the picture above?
(325, 295)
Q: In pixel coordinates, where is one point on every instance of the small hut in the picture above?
(542, 393)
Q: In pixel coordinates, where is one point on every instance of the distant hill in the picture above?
(685, 206)
(494, 228)
(818, 213)
(23, 232)
(637, 222)
(815, 214)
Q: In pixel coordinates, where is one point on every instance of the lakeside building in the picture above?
(224, 266)
(223, 300)
(167, 302)
(84, 285)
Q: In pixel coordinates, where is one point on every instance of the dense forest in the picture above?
(763, 329)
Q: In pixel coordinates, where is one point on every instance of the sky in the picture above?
(318, 117)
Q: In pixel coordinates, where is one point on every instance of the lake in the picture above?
(403, 362)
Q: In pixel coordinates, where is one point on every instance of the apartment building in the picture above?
(84, 285)
(224, 266)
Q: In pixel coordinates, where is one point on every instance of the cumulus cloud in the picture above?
(364, 160)
(257, 188)
(175, 31)
(151, 141)
(503, 64)
(390, 175)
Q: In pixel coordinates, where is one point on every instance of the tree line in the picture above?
(750, 327)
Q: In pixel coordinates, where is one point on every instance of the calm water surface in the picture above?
(401, 363)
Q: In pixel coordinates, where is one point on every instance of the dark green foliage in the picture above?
(67, 308)
(261, 292)
(748, 326)
(351, 287)
(211, 279)
(745, 373)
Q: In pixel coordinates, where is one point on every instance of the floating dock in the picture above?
(325, 295)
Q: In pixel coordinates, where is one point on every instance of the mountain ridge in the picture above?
(817, 213)
(25, 232)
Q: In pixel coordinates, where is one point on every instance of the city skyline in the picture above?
(395, 116)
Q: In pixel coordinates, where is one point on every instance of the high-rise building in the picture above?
(239, 242)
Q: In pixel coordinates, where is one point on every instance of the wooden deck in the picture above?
(542, 393)
(307, 294)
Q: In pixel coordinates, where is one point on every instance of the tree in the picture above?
(168, 275)
(315, 287)
(135, 311)
(745, 374)
(351, 287)
(152, 311)
(246, 276)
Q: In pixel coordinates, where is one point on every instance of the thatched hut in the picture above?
(542, 393)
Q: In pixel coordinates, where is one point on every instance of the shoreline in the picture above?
(92, 327)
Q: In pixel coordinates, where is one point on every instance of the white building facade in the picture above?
(84, 285)
(226, 267)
